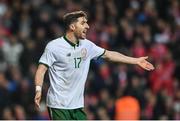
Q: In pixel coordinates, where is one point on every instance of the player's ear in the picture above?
(72, 27)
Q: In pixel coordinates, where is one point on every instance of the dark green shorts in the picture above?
(67, 114)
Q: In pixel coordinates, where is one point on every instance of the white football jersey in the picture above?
(68, 66)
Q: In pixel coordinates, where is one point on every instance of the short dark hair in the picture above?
(69, 18)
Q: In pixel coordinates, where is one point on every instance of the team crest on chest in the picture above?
(83, 53)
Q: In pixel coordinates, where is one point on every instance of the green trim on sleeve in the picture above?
(44, 64)
(102, 54)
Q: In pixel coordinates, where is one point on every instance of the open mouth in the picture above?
(84, 32)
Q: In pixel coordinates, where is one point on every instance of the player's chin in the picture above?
(83, 36)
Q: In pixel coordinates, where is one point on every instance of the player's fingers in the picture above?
(37, 100)
(147, 66)
(150, 66)
(146, 57)
(148, 69)
(37, 103)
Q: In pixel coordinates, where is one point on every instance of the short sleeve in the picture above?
(96, 51)
(47, 58)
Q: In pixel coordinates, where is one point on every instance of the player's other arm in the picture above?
(118, 57)
(39, 77)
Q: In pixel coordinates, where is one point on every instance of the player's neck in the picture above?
(71, 37)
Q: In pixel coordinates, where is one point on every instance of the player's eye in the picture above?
(82, 23)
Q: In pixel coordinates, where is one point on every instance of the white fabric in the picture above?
(68, 69)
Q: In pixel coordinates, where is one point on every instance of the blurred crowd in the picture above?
(132, 27)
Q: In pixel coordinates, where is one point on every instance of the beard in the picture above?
(80, 35)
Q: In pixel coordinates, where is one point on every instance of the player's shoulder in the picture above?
(54, 43)
(87, 42)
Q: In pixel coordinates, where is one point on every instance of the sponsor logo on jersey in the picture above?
(69, 54)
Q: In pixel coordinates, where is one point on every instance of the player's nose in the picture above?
(87, 26)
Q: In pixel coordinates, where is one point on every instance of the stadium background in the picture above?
(133, 27)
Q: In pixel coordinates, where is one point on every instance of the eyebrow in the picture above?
(84, 19)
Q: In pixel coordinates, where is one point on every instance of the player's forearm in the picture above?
(39, 76)
(118, 57)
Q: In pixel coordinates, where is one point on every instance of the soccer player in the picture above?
(67, 60)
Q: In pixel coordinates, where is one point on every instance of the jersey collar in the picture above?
(71, 43)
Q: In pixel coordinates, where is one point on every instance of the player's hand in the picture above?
(37, 99)
(143, 63)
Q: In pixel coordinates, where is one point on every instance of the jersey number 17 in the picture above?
(77, 62)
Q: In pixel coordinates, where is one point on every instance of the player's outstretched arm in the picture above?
(118, 57)
(39, 77)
